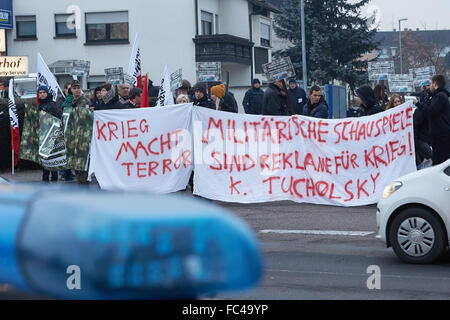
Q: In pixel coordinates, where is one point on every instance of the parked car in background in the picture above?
(413, 216)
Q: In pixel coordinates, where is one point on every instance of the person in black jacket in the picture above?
(437, 111)
(47, 105)
(253, 100)
(110, 98)
(298, 96)
(316, 107)
(223, 100)
(201, 97)
(274, 102)
(366, 99)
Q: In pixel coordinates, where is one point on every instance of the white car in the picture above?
(413, 216)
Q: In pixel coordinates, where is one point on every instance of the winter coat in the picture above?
(274, 103)
(438, 113)
(319, 110)
(49, 106)
(253, 101)
(372, 109)
(421, 125)
(298, 98)
(355, 112)
(109, 101)
(228, 103)
(205, 102)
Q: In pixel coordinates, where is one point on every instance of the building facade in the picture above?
(237, 33)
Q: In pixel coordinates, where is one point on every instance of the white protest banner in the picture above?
(146, 149)
(344, 162)
(165, 97)
(46, 78)
(135, 66)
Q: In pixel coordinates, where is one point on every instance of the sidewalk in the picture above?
(22, 175)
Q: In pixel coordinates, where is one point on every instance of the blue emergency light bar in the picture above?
(124, 245)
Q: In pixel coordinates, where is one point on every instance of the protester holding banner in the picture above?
(298, 96)
(381, 96)
(123, 91)
(135, 97)
(275, 101)
(437, 112)
(223, 100)
(316, 107)
(78, 134)
(47, 105)
(201, 97)
(421, 136)
(109, 97)
(96, 98)
(185, 89)
(367, 101)
(395, 101)
(182, 99)
(253, 100)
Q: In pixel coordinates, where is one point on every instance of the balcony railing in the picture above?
(223, 48)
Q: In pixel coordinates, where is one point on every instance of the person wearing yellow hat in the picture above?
(224, 100)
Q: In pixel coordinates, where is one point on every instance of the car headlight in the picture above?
(390, 189)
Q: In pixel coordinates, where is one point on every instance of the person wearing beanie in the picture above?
(366, 99)
(223, 100)
(200, 97)
(298, 96)
(47, 105)
(253, 99)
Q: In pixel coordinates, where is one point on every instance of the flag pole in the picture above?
(12, 163)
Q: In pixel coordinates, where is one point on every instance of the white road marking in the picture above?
(320, 232)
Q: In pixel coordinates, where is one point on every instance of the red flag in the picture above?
(139, 82)
(14, 120)
(144, 97)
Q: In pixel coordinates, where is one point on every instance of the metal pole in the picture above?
(400, 44)
(12, 163)
(305, 74)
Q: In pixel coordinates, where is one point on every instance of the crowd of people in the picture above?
(431, 116)
(281, 98)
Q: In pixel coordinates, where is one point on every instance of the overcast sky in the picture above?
(429, 14)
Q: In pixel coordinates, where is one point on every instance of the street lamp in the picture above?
(400, 40)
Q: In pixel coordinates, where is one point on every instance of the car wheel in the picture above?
(417, 236)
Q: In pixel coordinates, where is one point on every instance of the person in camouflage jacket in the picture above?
(78, 133)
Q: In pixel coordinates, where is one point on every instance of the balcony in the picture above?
(223, 48)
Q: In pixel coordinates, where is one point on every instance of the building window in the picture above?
(26, 27)
(107, 27)
(62, 30)
(261, 57)
(207, 23)
(265, 35)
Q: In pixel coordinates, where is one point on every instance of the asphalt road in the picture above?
(329, 267)
(318, 262)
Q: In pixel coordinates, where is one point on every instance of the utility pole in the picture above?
(400, 40)
(305, 74)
